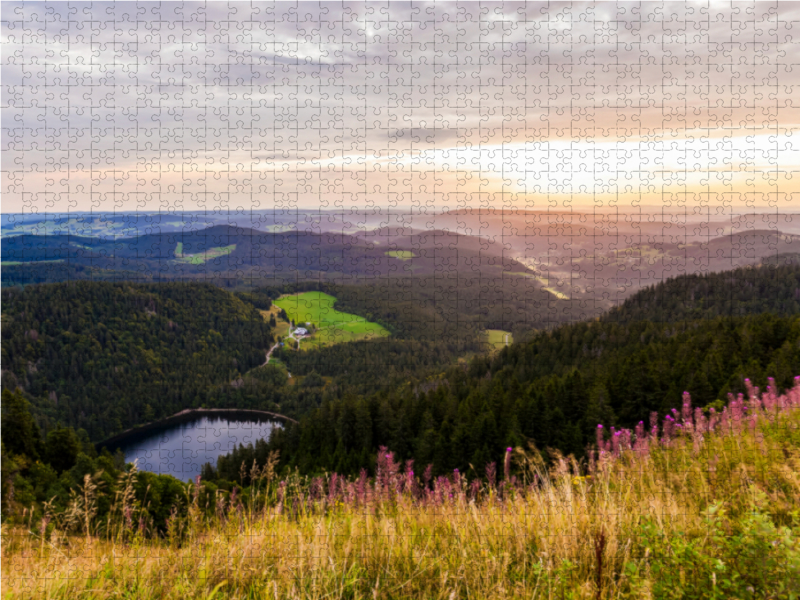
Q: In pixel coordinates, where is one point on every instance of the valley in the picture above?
(479, 381)
(374, 348)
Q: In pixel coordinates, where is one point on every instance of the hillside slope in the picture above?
(700, 508)
(745, 291)
(551, 391)
(104, 357)
(554, 389)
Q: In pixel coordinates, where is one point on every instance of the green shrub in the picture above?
(745, 557)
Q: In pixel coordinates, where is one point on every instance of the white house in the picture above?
(301, 331)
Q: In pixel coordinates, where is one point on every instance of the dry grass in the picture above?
(556, 534)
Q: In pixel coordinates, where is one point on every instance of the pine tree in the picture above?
(20, 432)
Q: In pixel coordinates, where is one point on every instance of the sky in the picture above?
(350, 106)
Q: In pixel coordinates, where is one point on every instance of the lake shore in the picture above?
(187, 414)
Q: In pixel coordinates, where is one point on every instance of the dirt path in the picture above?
(269, 355)
(291, 335)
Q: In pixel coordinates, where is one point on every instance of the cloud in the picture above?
(199, 88)
(426, 135)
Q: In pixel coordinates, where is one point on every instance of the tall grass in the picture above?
(702, 506)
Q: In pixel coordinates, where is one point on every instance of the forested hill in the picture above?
(745, 291)
(233, 256)
(554, 389)
(105, 356)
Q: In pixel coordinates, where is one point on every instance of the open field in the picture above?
(401, 254)
(200, 258)
(281, 326)
(333, 327)
(497, 339)
(14, 263)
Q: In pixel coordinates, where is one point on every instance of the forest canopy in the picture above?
(107, 356)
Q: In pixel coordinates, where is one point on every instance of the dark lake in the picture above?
(181, 448)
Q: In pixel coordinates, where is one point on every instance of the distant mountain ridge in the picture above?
(226, 250)
(583, 259)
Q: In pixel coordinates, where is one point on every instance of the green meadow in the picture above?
(15, 263)
(281, 328)
(333, 326)
(401, 254)
(201, 257)
(497, 339)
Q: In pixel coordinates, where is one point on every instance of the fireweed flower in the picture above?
(475, 486)
(625, 439)
(361, 488)
(491, 474)
(615, 443)
(654, 426)
(732, 418)
(427, 475)
(389, 482)
(332, 488)
(700, 422)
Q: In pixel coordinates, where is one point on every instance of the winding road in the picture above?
(277, 344)
(269, 353)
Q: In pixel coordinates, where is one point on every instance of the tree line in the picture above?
(43, 474)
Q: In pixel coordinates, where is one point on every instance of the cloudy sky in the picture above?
(183, 106)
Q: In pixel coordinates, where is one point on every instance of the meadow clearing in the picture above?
(401, 254)
(332, 326)
(281, 327)
(497, 339)
(201, 257)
